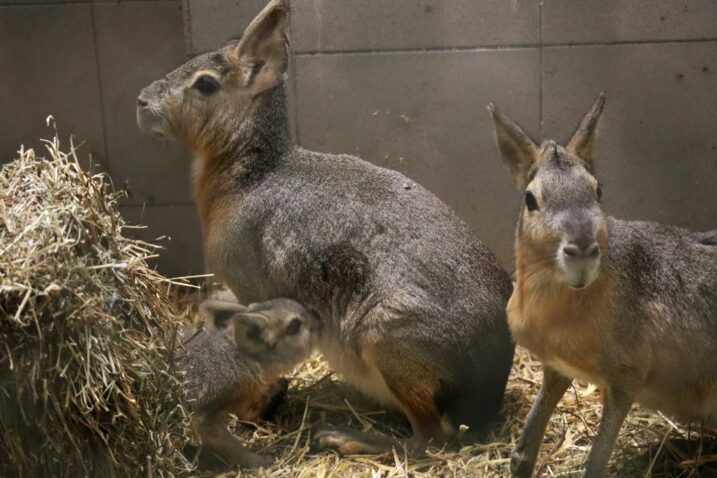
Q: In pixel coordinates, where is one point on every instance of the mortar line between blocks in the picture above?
(540, 68)
(98, 72)
(518, 46)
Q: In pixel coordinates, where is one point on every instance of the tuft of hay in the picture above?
(87, 332)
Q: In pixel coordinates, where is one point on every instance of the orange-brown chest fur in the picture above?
(564, 328)
(214, 199)
(207, 186)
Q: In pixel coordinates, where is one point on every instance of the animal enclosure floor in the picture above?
(649, 444)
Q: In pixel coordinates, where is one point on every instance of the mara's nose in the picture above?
(141, 102)
(581, 250)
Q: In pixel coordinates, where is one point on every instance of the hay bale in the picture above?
(87, 332)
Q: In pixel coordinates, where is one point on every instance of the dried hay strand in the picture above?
(87, 331)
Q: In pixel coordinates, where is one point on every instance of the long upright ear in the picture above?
(581, 144)
(262, 53)
(219, 313)
(518, 151)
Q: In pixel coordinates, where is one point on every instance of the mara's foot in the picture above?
(352, 442)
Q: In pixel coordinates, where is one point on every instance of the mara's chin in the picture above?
(150, 124)
(580, 277)
(576, 285)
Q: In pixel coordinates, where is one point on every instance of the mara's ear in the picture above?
(581, 144)
(248, 328)
(262, 54)
(518, 150)
(250, 319)
(219, 313)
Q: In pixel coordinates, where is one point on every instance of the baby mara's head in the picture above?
(278, 331)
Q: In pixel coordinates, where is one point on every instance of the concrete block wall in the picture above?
(401, 83)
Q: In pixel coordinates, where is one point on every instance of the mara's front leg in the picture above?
(217, 439)
(551, 391)
(616, 404)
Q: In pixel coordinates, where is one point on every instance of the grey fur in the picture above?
(668, 299)
(215, 368)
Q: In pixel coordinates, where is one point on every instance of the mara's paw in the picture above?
(348, 442)
(254, 460)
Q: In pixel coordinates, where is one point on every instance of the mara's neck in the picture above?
(246, 151)
(540, 297)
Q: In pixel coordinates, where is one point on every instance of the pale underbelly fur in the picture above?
(356, 371)
(682, 406)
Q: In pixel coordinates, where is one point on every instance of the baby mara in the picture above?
(234, 365)
(630, 306)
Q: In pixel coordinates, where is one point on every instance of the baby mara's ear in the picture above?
(250, 326)
(246, 326)
(218, 313)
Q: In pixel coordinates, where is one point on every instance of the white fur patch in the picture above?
(569, 371)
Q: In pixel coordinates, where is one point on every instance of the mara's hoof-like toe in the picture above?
(520, 467)
(349, 442)
(339, 441)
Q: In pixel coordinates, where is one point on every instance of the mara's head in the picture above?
(279, 329)
(562, 228)
(205, 102)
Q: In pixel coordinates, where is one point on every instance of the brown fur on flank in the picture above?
(630, 306)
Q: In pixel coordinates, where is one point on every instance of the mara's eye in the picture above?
(530, 202)
(294, 326)
(598, 193)
(253, 332)
(206, 85)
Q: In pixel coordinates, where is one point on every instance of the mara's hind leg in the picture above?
(217, 439)
(412, 383)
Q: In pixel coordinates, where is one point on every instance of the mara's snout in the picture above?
(149, 117)
(579, 262)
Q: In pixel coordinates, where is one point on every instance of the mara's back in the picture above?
(369, 232)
